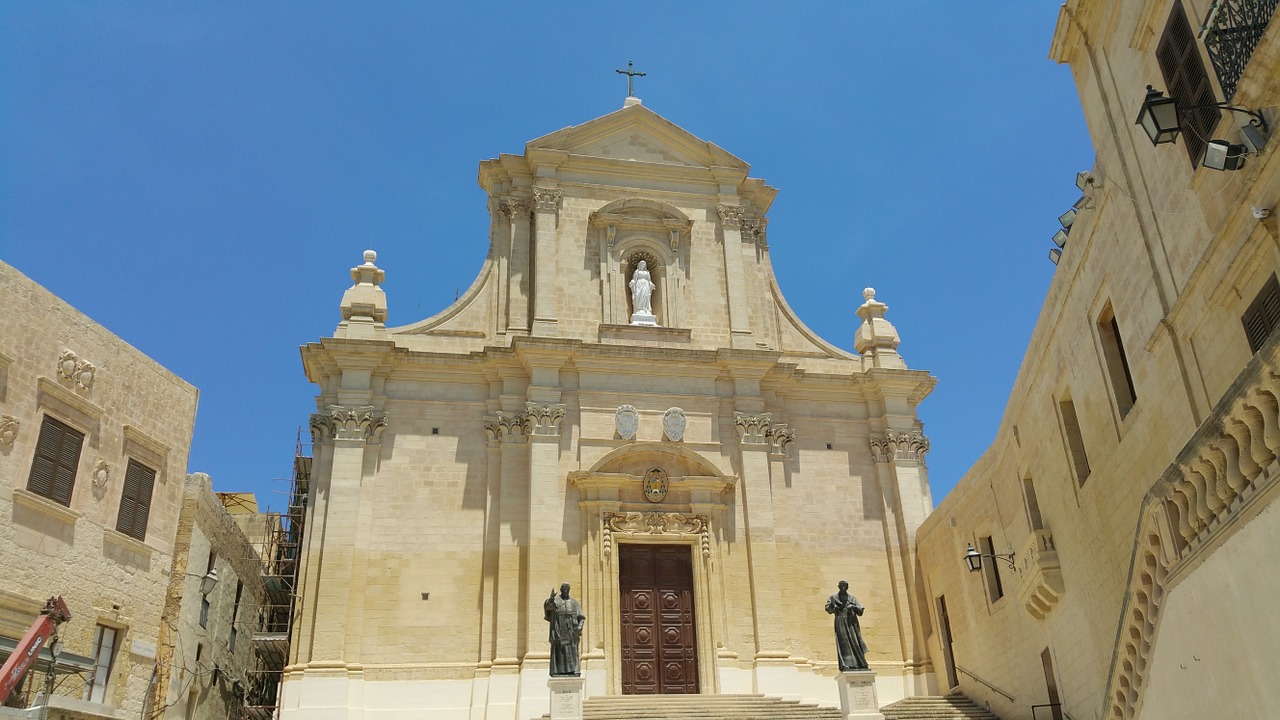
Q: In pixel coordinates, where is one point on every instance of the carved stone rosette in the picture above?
(731, 215)
(657, 523)
(9, 426)
(503, 427)
(547, 199)
(897, 445)
(346, 423)
(543, 418)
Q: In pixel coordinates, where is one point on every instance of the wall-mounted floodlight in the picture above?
(1067, 218)
(1060, 238)
(1084, 179)
(1055, 255)
(1222, 155)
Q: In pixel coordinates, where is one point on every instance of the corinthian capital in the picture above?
(899, 445)
(513, 207)
(544, 418)
(347, 423)
(753, 428)
(753, 229)
(780, 438)
(547, 199)
(505, 427)
(731, 215)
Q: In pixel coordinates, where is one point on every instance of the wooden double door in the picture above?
(659, 642)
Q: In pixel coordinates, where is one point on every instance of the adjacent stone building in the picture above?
(206, 648)
(1133, 477)
(698, 464)
(94, 438)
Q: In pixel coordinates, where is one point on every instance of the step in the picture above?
(701, 707)
(949, 707)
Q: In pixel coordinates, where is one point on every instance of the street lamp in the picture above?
(1161, 119)
(208, 581)
(973, 559)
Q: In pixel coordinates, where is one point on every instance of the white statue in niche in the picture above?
(642, 288)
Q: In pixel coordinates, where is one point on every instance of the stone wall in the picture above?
(1175, 255)
(209, 681)
(56, 362)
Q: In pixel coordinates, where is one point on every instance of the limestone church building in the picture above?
(702, 474)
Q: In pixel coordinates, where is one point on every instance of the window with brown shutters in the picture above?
(53, 472)
(1187, 82)
(135, 500)
(1263, 314)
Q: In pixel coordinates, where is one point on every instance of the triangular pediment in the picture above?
(637, 134)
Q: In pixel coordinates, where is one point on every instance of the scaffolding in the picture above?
(281, 553)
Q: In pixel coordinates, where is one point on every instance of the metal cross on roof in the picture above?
(630, 73)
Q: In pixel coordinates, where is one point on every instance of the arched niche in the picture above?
(631, 227)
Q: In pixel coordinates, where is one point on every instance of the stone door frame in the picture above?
(611, 589)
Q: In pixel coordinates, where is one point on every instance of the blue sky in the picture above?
(200, 177)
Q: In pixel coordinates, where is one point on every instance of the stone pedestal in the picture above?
(644, 319)
(566, 697)
(858, 695)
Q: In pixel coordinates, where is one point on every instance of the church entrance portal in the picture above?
(659, 647)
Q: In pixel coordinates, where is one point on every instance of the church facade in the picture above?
(697, 464)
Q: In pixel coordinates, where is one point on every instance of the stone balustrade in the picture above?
(1229, 462)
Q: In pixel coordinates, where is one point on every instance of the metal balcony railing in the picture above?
(1231, 33)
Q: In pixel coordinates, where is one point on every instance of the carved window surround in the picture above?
(120, 540)
(44, 506)
(146, 450)
(70, 407)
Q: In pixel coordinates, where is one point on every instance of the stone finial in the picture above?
(364, 304)
(876, 340)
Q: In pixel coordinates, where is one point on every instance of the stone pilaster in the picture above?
(731, 217)
(899, 457)
(518, 268)
(346, 440)
(546, 515)
(547, 213)
(753, 443)
(508, 431)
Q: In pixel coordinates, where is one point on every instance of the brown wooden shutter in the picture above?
(135, 500)
(53, 471)
(1263, 315)
(1187, 82)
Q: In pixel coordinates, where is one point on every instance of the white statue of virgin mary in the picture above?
(642, 288)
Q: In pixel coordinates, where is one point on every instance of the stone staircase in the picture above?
(759, 707)
(950, 707)
(701, 707)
